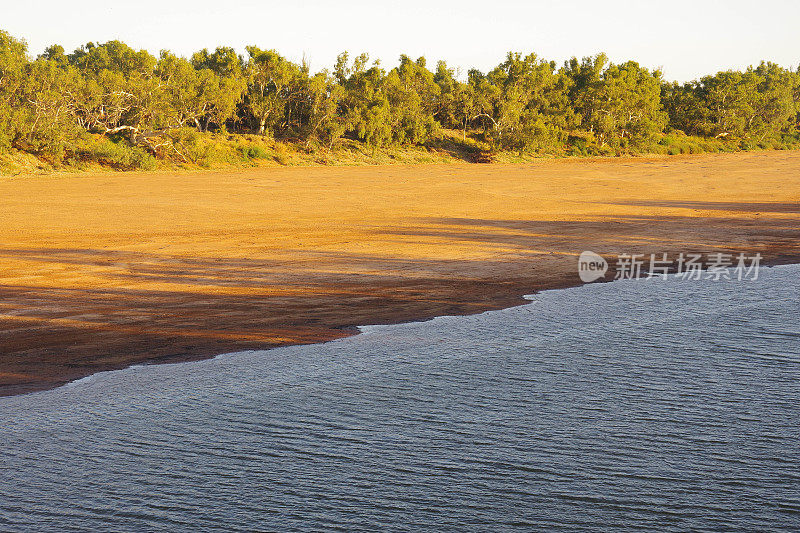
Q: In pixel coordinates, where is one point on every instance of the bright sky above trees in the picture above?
(688, 39)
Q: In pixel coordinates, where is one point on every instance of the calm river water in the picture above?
(667, 405)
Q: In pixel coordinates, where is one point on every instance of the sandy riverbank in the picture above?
(102, 271)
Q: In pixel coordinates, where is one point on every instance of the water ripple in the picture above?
(652, 405)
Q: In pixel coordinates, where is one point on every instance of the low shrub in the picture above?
(120, 154)
(253, 151)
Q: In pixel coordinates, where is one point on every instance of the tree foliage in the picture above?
(525, 104)
(758, 103)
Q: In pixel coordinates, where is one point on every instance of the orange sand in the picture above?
(102, 271)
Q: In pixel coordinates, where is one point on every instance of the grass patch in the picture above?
(191, 149)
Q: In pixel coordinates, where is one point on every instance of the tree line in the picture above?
(525, 104)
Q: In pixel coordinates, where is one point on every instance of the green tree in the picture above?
(45, 115)
(271, 80)
(198, 97)
(686, 110)
(485, 103)
(223, 61)
(365, 105)
(774, 104)
(586, 87)
(321, 118)
(455, 106)
(530, 108)
(412, 95)
(114, 56)
(630, 104)
(56, 54)
(13, 62)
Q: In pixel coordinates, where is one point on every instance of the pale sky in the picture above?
(686, 38)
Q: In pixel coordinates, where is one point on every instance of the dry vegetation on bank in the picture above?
(109, 106)
(221, 151)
